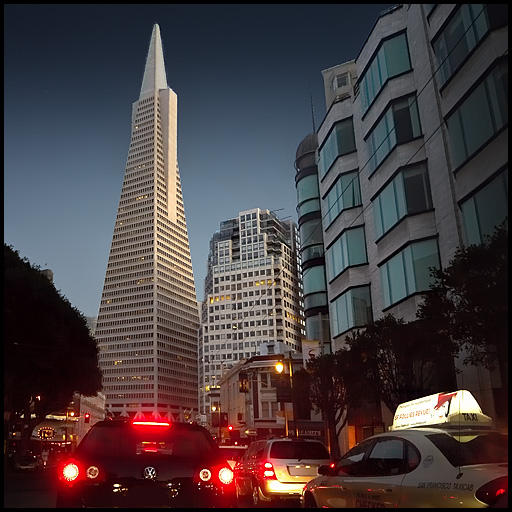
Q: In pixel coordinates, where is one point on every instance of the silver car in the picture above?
(278, 469)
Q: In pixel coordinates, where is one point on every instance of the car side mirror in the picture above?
(326, 469)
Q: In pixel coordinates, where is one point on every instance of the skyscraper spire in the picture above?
(148, 318)
(154, 72)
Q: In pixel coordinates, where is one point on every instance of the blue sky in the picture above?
(243, 75)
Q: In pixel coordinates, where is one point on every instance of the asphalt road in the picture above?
(26, 489)
(36, 489)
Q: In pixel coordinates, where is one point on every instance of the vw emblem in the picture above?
(150, 473)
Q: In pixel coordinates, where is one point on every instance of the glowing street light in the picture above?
(279, 366)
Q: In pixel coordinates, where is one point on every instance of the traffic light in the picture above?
(87, 417)
(230, 427)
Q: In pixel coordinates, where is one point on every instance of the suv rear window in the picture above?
(127, 440)
(486, 448)
(298, 450)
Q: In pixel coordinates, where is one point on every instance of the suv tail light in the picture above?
(492, 491)
(268, 471)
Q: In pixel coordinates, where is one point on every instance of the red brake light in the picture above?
(492, 490)
(152, 423)
(331, 465)
(70, 471)
(225, 475)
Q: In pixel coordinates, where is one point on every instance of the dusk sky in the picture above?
(243, 75)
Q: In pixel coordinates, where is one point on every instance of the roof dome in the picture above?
(308, 145)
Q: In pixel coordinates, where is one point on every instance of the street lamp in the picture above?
(279, 367)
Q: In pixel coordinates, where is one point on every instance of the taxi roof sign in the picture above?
(456, 409)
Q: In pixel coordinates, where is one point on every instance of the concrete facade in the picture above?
(433, 150)
(253, 296)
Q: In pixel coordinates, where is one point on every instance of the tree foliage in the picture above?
(332, 388)
(48, 351)
(401, 361)
(469, 301)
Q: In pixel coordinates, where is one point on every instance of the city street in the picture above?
(37, 490)
(29, 489)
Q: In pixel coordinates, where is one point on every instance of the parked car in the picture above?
(278, 468)
(124, 463)
(232, 453)
(27, 462)
(438, 454)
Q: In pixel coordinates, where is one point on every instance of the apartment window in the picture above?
(311, 232)
(485, 209)
(407, 194)
(340, 141)
(480, 116)
(399, 124)
(468, 26)
(314, 279)
(345, 193)
(392, 59)
(340, 80)
(348, 250)
(351, 309)
(408, 271)
(307, 195)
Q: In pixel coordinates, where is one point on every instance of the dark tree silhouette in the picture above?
(48, 351)
(401, 361)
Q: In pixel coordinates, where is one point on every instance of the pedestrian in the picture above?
(44, 457)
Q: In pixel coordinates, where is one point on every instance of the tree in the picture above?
(469, 301)
(331, 382)
(48, 351)
(401, 361)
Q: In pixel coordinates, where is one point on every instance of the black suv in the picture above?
(126, 463)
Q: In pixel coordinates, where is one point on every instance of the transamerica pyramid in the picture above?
(148, 318)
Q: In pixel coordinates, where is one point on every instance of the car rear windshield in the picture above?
(129, 440)
(298, 450)
(487, 448)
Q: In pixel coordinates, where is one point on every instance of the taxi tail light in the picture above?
(492, 491)
(268, 471)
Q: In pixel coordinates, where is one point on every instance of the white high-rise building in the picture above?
(148, 318)
(253, 296)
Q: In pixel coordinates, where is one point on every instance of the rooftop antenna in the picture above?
(312, 112)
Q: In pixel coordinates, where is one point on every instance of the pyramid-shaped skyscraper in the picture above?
(148, 318)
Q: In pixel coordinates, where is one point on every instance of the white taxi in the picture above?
(441, 451)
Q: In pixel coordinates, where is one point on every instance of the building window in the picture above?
(480, 116)
(340, 80)
(465, 30)
(345, 193)
(314, 279)
(348, 250)
(400, 123)
(308, 195)
(311, 233)
(340, 141)
(408, 271)
(351, 309)
(407, 194)
(485, 210)
(391, 60)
